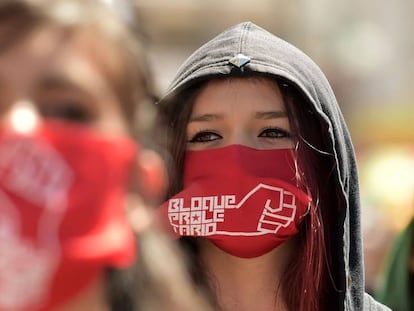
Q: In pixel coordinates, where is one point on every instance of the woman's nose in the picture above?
(240, 137)
(21, 116)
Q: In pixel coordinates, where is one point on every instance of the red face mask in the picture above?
(62, 216)
(243, 200)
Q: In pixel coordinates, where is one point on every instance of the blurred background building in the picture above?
(366, 49)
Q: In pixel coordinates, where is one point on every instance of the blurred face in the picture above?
(62, 76)
(248, 112)
(54, 74)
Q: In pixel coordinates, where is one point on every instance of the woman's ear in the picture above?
(146, 190)
(152, 177)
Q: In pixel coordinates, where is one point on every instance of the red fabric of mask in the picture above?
(244, 200)
(62, 215)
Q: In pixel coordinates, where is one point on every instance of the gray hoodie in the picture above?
(270, 55)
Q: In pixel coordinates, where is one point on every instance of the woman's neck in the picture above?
(247, 284)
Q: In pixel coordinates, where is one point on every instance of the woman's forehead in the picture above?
(51, 49)
(253, 92)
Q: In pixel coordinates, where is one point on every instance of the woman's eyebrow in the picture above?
(267, 115)
(58, 82)
(206, 117)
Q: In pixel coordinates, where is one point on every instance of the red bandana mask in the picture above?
(62, 217)
(243, 200)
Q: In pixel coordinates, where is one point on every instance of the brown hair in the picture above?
(309, 282)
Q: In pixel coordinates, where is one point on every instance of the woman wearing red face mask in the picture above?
(263, 185)
(72, 77)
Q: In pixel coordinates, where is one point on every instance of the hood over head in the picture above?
(247, 49)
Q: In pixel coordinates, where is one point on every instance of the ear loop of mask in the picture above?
(299, 179)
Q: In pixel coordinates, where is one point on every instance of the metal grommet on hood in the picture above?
(239, 60)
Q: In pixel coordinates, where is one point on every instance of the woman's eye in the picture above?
(274, 133)
(204, 137)
(69, 111)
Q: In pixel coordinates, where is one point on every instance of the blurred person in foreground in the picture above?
(397, 285)
(74, 183)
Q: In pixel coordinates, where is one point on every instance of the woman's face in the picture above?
(243, 111)
(64, 76)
